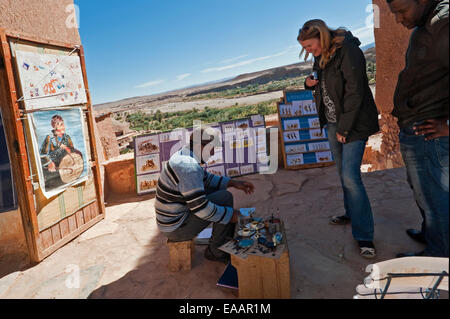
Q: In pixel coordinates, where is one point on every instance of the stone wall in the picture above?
(108, 139)
(46, 19)
(120, 177)
(391, 43)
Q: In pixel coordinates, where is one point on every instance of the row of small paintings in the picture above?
(301, 123)
(309, 158)
(297, 136)
(147, 183)
(307, 147)
(298, 108)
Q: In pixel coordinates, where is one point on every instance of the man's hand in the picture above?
(247, 187)
(341, 139)
(235, 217)
(432, 128)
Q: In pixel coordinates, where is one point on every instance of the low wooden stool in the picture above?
(180, 255)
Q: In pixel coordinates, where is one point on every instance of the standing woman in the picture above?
(347, 109)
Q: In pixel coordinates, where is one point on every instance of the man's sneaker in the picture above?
(221, 257)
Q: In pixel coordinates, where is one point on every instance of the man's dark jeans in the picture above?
(427, 169)
(193, 225)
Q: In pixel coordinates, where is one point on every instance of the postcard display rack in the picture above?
(304, 144)
(243, 151)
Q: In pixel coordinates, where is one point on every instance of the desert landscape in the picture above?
(244, 89)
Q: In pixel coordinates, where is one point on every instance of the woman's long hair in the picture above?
(330, 40)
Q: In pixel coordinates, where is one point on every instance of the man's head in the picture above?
(408, 12)
(202, 143)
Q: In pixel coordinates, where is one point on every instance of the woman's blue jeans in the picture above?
(427, 169)
(348, 158)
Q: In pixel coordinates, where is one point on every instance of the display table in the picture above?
(262, 274)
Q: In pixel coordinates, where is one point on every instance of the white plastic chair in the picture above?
(405, 278)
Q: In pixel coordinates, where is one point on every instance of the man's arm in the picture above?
(191, 185)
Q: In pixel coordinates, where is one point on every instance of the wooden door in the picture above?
(81, 206)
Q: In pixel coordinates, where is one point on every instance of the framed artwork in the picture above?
(50, 80)
(217, 170)
(147, 145)
(148, 164)
(59, 142)
(147, 183)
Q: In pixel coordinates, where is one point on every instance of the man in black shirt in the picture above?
(421, 105)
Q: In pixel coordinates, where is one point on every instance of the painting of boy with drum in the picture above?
(62, 155)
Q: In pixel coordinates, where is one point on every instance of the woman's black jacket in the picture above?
(346, 80)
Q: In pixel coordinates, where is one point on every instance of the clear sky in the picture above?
(143, 47)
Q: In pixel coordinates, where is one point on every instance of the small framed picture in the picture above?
(317, 134)
(147, 145)
(291, 124)
(147, 183)
(296, 148)
(247, 169)
(309, 107)
(258, 120)
(291, 136)
(216, 170)
(294, 160)
(324, 157)
(148, 164)
(233, 172)
(314, 122)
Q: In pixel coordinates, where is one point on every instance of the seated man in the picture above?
(188, 198)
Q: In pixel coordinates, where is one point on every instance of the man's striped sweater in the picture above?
(182, 189)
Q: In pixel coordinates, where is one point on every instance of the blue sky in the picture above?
(143, 47)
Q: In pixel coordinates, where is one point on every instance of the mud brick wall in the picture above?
(46, 19)
(391, 44)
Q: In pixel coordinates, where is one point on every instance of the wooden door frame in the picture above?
(16, 139)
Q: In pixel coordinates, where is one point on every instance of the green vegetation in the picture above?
(371, 72)
(159, 121)
(252, 89)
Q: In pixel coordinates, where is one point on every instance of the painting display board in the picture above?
(48, 119)
(304, 144)
(242, 150)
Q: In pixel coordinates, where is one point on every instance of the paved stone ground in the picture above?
(125, 256)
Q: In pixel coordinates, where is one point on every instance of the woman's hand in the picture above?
(246, 187)
(341, 139)
(311, 82)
